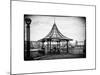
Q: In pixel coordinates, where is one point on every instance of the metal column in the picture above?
(28, 22)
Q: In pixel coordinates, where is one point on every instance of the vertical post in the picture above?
(42, 44)
(47, 47)
(59, 44)
(28, 22)
(58, 50)
(50, 45)
(43, 48)
(84, 49)
(67, 46)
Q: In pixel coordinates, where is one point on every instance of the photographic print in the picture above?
(54, 37)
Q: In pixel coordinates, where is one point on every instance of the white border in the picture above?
(21, 8)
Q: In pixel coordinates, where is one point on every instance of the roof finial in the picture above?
(54, 20)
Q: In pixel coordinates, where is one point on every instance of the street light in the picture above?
(28, 22)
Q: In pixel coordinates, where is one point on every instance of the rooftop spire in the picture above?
(54, 21)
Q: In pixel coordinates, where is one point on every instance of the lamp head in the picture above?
(28, 21)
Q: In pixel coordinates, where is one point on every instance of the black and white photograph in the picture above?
(48, 37)
(52, 37)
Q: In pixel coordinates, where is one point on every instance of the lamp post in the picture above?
(28, 22)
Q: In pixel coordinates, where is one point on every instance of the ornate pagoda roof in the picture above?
(55, 34)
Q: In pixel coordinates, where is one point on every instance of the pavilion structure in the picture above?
(54, 36)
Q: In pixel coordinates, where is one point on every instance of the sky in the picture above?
(70, 26)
